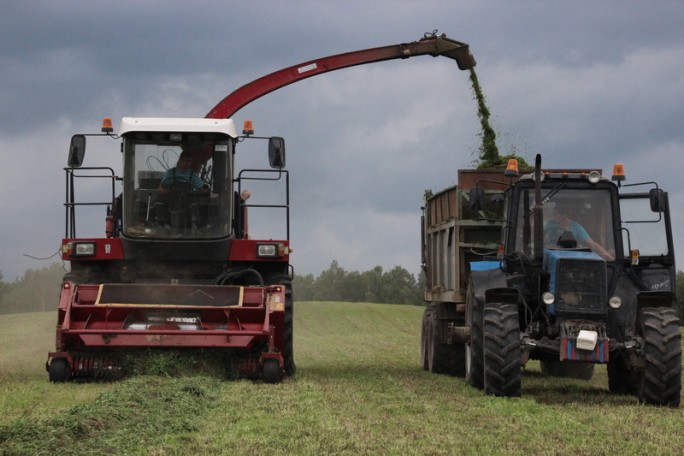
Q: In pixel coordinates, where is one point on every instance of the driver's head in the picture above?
(185, 160)
(561, 210)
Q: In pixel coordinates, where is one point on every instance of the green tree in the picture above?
(36, 291)
(303, 287)
(328, 284)
(398, 286)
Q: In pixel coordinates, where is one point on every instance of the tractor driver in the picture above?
(183, 177)
(561, 223)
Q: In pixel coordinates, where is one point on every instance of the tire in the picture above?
(271, 371)
(440, 357)
(288, 331)
(661, 381)
(59, 370)
(567, 369)
(502, 350)
(474, 350)
(424, 339)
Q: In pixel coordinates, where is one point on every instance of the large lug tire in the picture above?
(620, 379)
(661, 380)
(474, 349)
(437, 356)
(567, 369)
(288, 349)
(502, 350)
(59, 370)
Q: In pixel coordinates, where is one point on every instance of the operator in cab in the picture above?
(561, 224)
(183, 177)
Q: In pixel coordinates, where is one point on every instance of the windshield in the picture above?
(573, 218)
(177, 185)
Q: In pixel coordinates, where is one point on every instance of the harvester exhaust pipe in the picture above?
(538, 234)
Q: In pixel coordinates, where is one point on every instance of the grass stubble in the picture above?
(359, 389)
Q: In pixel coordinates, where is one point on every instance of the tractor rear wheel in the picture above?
(474, 349)
(501, 350)
(59, 370)
(661, 380)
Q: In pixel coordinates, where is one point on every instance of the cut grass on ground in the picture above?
(359, 389)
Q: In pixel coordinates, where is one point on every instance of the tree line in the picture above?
(38, 289)
(396, 286)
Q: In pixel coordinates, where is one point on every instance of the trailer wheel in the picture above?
(474, 350)
(59, 370)
(661, 381)
(271, 371)
(443, 358)
(502, 350)
(424, 335)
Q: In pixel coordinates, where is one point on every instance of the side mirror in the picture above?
(657, 198)
(276, 152)
(76, 151)
(476, 196)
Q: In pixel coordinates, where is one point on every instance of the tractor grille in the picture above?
(581, 286)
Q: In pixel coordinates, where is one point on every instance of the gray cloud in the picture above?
(584, 84)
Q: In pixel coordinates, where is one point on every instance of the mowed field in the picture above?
(359, 390)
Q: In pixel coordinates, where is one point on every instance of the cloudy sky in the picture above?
(586, 84)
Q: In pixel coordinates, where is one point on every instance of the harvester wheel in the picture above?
(271, 371)
(501, 350)
(474, 350)
(59, 370)
(661, 380)
(288, 349)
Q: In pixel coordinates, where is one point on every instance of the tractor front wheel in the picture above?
(661, 381)
(501, 350)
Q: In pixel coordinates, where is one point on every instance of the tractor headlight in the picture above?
(594, 177)
(615, 302)
(548, 298)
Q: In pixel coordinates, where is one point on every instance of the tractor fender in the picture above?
(485, 281)
(655, 299)
(502, 295)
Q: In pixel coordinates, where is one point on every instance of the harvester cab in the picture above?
(177, 266)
